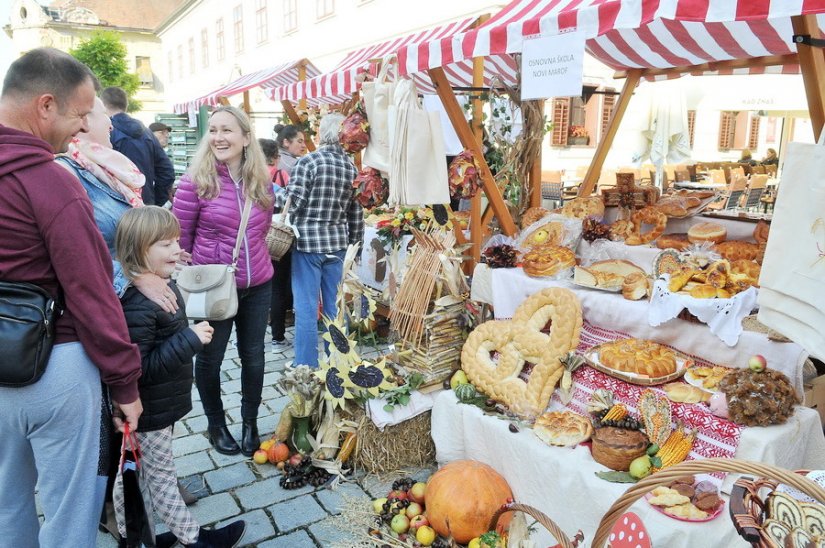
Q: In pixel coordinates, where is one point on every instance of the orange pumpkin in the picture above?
(463, 496)
(279, 452)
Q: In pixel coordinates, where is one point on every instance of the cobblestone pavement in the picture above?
(234, 487)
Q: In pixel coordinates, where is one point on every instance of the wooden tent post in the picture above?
(302, 75)
(246, 107)
(535, 172)
(604, 145)
(478, 134)
(812, 65)
(296, 120)
(468, 141)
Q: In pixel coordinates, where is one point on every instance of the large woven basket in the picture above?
(279, 237)
(705, 466)
(549, 524)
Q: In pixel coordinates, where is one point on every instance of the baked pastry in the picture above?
(707, 232)
(517, 362)
(532, 215)
(617, 447)
(665, 496)
(547, 234)
(685, 511)
(776, 531)
(636, 286)
(760, 233)
(639, 357)
(678, 241)
(548, 260)
(707, 502)
(680, 278)
(751, 269)
(673, 206)
(684, 489)
(814, 518)
(703, 291)
(685, 393)
(579, 208)
(734, 250)
(710, 377)
(562, 428)
(717, 273)
(785, 508)
(799, 538)
(620, 230)
(648, 216)
(609, 273)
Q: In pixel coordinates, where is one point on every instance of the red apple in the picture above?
(414, 509)
(260, 456)
(757, 363)
(397, 494)
(418, 521)
(417, 492)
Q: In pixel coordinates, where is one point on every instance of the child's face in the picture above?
(162, 256)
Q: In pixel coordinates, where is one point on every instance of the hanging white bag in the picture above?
(792, 280)
(378, 96)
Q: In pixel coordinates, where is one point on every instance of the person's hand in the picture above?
(126, 412)
(157, 290)
(185, 257)
(204, 331)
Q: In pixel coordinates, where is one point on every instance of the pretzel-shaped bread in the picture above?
(650, 216)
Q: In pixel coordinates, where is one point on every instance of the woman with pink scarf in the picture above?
(113, 184)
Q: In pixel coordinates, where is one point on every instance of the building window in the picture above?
(733, 129)
(191, 55)
(290, 15)
(220, 50)
(204, 48)
(261, 23)
(144, 72)
(581, 122)
(237, 27)
(753, 134)
(169, 66)
(324, 8)
(180, 61)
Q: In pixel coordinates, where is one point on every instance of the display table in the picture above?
(561, 482)
(375, 268)
(508, 287)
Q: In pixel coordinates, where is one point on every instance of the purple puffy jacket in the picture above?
(208, 229)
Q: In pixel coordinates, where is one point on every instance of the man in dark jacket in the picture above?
(132, 139)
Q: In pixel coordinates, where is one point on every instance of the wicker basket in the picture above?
(705, 466)
(549, 524)
(279, 237)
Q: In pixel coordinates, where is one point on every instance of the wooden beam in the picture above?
(246, 108)
(812, 63)
(478, 133)
(302, 75)
(296, 121)
(535, 172)
(606, 142)
(696, 70)
(469, 142)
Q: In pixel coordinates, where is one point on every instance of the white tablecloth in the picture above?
(511, 286)
(561, 482)
(369, 259)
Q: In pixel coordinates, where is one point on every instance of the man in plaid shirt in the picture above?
(327, 217)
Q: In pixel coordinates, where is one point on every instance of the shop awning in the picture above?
(628, 34)
(272, 77)
(412, 50)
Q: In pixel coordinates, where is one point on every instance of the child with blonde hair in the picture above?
(147, 241)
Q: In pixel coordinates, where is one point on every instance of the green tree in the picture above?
(105, 54)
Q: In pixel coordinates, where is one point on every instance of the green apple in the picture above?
(400, 523)
(757, 363)
(459, 377)
(640, 467)
(378, 505)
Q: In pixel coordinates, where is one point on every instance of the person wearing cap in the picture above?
(161, 131)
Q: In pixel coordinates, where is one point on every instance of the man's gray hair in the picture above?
(329, 128)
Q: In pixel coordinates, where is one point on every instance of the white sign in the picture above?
(552, 66)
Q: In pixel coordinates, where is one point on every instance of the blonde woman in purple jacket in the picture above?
(228, 169)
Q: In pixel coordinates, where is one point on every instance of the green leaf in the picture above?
(616, 477)
(656, 462)
(404, 399)
(389, 407)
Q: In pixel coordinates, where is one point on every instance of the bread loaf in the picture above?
(707, 232)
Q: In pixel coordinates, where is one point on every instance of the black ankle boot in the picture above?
(223, 537)
(222, 440)
(250, 442)
(165, 540)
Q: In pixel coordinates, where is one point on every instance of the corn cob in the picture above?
(676, 448)
(616, 413)
(347, 447)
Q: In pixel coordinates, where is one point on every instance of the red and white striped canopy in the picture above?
(414, 50)
(626, 34)
(272, 77)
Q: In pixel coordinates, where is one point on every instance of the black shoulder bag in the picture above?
(27, 330)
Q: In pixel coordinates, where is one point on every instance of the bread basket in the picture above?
(280, 235)
(705, 466)
(549, 524)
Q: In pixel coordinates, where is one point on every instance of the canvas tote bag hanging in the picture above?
(210, 290)
(792, 281)
(418, 170)
(377, 100)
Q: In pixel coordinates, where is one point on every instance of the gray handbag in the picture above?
(209, 290)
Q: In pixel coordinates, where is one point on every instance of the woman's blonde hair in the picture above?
(256, 179)
(138, 230)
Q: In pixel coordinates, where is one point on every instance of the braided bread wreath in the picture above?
(649, 216)
(517, 362)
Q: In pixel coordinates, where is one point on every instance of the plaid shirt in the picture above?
(322, 204)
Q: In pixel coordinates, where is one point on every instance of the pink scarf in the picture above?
(110, 167)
